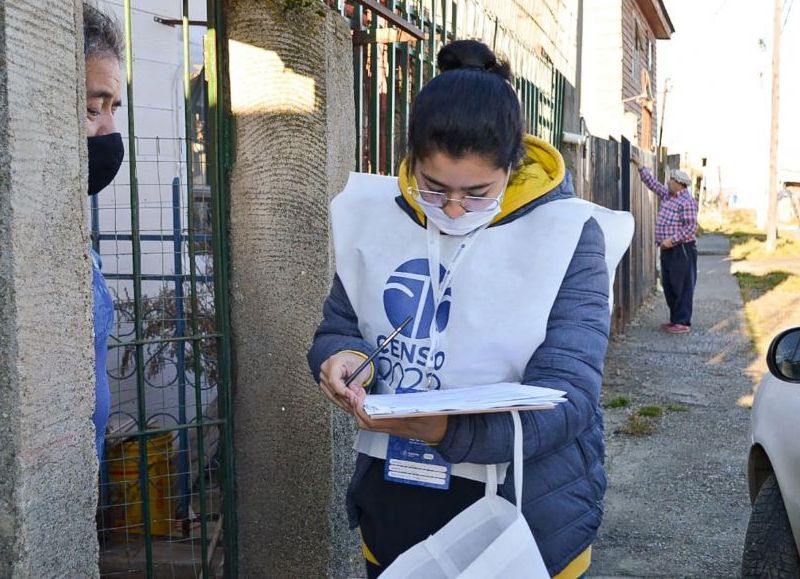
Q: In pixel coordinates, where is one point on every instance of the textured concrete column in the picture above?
(291, 93)
(48, 471)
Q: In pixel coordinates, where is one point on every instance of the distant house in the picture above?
(618, 80)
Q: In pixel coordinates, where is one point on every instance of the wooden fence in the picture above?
(610, 179)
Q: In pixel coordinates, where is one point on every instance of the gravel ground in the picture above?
(677, 502)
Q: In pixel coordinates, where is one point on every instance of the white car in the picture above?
(773, 467)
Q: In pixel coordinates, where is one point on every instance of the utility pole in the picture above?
(772, 202)
(660, 157)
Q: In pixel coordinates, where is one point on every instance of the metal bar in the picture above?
(432, 41)
(533, 96)
(176, 22)
(187, 105)
(358, 87)
(405, 54)
(151, 277)
(374, 105)
(454, 34)
(390, 16)
(156, 431)
(180, 330)
(445, 13)
(147, 237)
(137, 294)
(95, 223)
(558, 108)
(217, 132)
(419, 65)
(391, 91)
(165, 340)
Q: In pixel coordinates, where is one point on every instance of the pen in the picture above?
(377, 350)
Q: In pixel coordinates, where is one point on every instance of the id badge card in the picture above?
(413, 462)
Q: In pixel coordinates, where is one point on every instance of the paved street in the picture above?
(677, 503)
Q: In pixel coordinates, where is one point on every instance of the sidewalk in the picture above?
(677, 502)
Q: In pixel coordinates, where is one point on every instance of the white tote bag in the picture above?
(489, 539)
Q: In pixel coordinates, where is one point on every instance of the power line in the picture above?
(788, 11)
(721, 6)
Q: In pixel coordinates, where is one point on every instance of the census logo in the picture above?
(408, 292)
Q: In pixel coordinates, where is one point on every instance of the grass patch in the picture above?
(644, 420)
(638, 426)
(618, 402)
(771, 304)
(748, 245)
(650, 411)
(755, 286)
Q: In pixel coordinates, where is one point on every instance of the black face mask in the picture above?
(105, 158)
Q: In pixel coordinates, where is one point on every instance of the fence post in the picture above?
(626, 284)
(291, 83)
(48, 464)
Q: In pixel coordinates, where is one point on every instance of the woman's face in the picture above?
(471, 175)
(102, 95)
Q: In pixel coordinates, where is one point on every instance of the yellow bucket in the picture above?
(125, 493)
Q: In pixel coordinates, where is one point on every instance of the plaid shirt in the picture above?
(677, 216)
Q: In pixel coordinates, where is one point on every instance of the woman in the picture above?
(522, 296)
(103, 49)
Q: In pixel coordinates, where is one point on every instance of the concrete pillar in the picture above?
(48, 469)
(291, 95)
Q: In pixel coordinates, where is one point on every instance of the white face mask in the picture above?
(468, 222)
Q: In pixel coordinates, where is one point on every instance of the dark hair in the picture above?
(470, 107)
(101, 34)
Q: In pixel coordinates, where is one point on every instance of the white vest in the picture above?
(494, 314)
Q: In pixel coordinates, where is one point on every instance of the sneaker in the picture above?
(677, 329)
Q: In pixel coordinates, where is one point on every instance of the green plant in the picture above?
(638, 426)
(618, 402)
(162, 317)
(650, 411)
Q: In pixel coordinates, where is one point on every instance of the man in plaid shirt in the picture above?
(676, 226)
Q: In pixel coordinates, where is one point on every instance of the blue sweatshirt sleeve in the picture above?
(338, 330)
(570, 359)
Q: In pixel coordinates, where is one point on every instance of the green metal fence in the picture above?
(395, 43)
(167, 497)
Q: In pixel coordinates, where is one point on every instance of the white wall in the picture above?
(601, 89)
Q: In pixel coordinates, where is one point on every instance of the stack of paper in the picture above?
(470, 400)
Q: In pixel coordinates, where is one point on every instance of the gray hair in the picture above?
(102, 35)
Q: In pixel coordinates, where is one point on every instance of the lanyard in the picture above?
(440, 287)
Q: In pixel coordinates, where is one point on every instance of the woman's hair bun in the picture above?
(471, 54)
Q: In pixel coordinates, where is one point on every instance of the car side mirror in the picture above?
(783, 356)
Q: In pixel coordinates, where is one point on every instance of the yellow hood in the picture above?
(540, 171)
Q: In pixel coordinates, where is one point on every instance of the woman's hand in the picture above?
(430, 429)
(334, 371)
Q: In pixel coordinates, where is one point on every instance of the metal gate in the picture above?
(166, 489)
(395, 43)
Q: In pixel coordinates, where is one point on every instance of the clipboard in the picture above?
(471, 411)
(478, 399)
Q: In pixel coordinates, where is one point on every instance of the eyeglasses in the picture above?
(437, 199)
